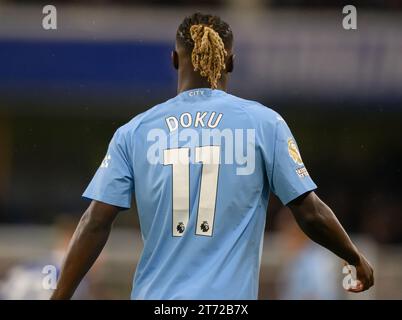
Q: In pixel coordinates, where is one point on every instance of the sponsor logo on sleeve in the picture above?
(105, 161)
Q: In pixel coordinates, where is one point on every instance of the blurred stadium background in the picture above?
(63, 93)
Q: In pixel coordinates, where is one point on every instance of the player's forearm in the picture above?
(320, 224)
(85, 246)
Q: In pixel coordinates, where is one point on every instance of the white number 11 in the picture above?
(179, 158)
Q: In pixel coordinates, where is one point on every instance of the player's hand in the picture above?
(364, 276)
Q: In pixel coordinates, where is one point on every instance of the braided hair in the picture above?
(207, 37)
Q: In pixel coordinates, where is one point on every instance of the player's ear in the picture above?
(230, 63)
(175, 59)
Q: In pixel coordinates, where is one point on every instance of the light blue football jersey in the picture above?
(201, 166)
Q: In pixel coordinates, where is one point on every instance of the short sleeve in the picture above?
(290, 178)
(113, 181)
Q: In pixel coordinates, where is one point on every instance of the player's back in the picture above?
(202, 195)
(201, 166)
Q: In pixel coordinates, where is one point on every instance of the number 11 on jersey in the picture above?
(179, 158)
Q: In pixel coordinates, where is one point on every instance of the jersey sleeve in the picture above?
(113, 181)
(289, 176)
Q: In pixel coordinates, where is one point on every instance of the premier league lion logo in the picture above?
(180, 227)
(204, 226)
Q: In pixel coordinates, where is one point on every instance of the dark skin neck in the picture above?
(188, 78)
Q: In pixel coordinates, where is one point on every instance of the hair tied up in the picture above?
(209, 54)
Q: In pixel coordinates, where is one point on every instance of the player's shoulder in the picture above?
(256, 111)
(131, 126)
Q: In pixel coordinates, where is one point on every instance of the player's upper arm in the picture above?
(113, 182)
(305, 206)
(101, 215)
(287, 175)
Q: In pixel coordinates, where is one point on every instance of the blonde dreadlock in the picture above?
(209, 54)
(208, 40)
